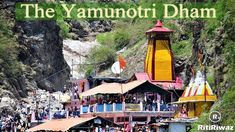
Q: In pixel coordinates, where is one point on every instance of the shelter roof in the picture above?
(60, 124)
(70, 123)
(131, 87)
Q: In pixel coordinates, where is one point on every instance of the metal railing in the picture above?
(118, 107)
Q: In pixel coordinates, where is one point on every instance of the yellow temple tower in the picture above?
(159, 58)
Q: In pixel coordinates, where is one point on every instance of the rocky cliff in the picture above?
(38, 53)
(41, 49)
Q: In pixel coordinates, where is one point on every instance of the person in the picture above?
(126, 127)
(134, 101)
(8, 125)
(70, 111)
(29, 121)
(184, 112)
(144, 105)
(135, 128)
(154, 105)
(149, 103)
(99, 100)
(143, 128)
(18, 127)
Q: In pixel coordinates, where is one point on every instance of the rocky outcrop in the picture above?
(40, 58)
(87, 30)
(41, 49)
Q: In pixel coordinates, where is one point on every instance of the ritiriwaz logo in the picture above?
(215, 117)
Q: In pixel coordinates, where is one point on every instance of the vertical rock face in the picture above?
(41, 49)
(40, 59)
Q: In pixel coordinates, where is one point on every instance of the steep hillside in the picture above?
(221, 43)
(30, 57)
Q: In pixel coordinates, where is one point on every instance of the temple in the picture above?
(147, 98)
(159, 67)
(197, 97)
(159, 58)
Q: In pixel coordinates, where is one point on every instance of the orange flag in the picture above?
(122, 62)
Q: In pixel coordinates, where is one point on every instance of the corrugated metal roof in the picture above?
(112, 88)
(117, 88)
(59, 124)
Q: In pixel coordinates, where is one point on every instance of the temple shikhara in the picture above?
(159, 62)
(197, 96)
(155, 98)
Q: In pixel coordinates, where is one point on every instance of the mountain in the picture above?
(31, 56)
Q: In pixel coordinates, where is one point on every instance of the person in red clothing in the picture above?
(184, 112)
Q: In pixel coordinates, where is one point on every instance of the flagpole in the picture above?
(122, 65)
(124, 104)
(205, 82)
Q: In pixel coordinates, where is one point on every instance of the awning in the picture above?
(199, 98)
(59, 124)
(131, 87)
(196, 99)
(73, 124)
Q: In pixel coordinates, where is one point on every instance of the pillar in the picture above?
(104, 108)
(148, 118)
(141, 106)
(81, 109)
(67, 114)
(88, 110)
(95, 108)
(114, 106)
(123, 106)
(158, 102)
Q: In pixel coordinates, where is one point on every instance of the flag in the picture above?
(122, 62)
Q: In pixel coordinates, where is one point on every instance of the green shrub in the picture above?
(230, 54)
(210, 80)
(89, 70)
(125, 33)
(225, 107)
(64, 28)
(106, 39)
(121, 38)
(8, 50)
(182, 48)
(103, 56)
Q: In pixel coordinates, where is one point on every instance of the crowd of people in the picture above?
(34, 109)
(14, 122)
(110, 100)
(20, 121)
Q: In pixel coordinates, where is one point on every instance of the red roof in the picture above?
(142, 76)
(177, 84)
(158, 28)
